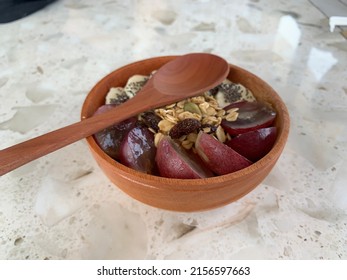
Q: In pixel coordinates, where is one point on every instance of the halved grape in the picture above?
(254, 144)
(110, 139)
(220, 158)
(175, 162)
(138, 150)
(251, 116)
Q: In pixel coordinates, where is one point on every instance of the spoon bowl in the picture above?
(182, 77)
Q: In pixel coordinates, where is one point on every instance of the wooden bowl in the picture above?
(186, 195)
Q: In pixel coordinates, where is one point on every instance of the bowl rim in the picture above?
(192, 184)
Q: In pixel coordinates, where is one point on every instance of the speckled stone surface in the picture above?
(63, 207)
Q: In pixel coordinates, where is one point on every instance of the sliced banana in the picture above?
(134, 84)
(116, 95)
(229, 92)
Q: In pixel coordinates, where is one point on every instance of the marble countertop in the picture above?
(63, 207)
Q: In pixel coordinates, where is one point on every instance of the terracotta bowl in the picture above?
(186, 195)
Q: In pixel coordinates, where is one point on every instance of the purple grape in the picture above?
(254, 144)
(138, 150)
(110, 139)
(251, 116)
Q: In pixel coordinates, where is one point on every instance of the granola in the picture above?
(205, 110)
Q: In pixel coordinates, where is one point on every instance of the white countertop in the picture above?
(63, 207)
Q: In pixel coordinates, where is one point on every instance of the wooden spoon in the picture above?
(183, 77)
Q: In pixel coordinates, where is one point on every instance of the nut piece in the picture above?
(157, 138)
(188, 115)
(165, 126)
(187, 144)
(203, 107)
(232, 114)
(221, 134)
(191, 107)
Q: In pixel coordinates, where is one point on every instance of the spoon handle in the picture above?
(22, 153)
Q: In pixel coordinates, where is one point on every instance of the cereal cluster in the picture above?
(204, 109)
(184, 119)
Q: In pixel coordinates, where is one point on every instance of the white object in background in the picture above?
(335, 10)
(337, 21)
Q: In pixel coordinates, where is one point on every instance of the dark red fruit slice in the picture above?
(110, 139)
(252, 116)
(138, 151)
(173, 161)
(220, 158)
(254, 144)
